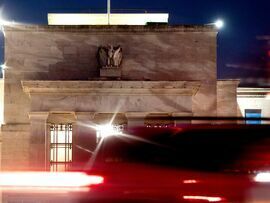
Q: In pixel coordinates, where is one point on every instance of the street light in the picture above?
(3, 21)
(108, 130)
(3, 66)
(219, 24)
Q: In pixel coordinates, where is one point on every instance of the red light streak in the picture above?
(204, 198)
(190, 181)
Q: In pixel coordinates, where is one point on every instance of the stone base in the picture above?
(110, 72)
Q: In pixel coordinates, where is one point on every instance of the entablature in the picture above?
(185, 88)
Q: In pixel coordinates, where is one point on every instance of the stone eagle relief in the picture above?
(110, 56)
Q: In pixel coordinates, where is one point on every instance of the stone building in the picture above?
(53, 92)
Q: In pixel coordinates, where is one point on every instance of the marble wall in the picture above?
(69, 53)
(227, 98)
(1, 101)
(15, 147)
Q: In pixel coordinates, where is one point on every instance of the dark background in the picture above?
(243, 44)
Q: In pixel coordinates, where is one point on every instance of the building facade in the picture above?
(253, 102)
(54, 93)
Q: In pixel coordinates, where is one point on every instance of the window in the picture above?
(60, 147)
(253, 113)
(158, 121)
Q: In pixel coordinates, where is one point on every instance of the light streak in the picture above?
(48, 179)
(203, 198)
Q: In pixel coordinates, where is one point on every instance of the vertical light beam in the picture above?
(109, 11)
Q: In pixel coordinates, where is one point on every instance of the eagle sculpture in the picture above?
(110, 56)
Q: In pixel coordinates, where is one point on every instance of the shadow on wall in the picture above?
(79, 61)
(151, 57)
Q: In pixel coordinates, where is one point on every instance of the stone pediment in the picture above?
(185, 88)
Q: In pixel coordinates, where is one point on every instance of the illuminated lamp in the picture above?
(219, 24)
(3, 66)
(107, 130)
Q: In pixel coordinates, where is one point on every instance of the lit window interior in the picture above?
(60, 146)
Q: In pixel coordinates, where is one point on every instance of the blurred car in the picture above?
(192, 163)
(203, 163)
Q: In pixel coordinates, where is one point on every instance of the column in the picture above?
(1, 193)
(1, 151)
(179, 121)
(39, 147)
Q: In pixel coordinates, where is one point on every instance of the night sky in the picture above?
(243, 44)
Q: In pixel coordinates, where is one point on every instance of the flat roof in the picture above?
(105, 19)
(109, 28)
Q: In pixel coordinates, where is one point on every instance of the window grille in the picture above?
(60, 147)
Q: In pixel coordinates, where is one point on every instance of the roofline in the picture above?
(252, 92)
(228, 82)
(110, 28)
(252, 89)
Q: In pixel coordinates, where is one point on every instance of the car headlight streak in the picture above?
(263, 177)
(202, 198)
(48, 179)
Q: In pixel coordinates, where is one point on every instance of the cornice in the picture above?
(111, 28)
(128, 88)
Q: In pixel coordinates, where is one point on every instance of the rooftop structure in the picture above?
(105, 19)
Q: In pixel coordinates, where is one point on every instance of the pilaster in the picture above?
(136, 119)
(178, 120)
(39, 152)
